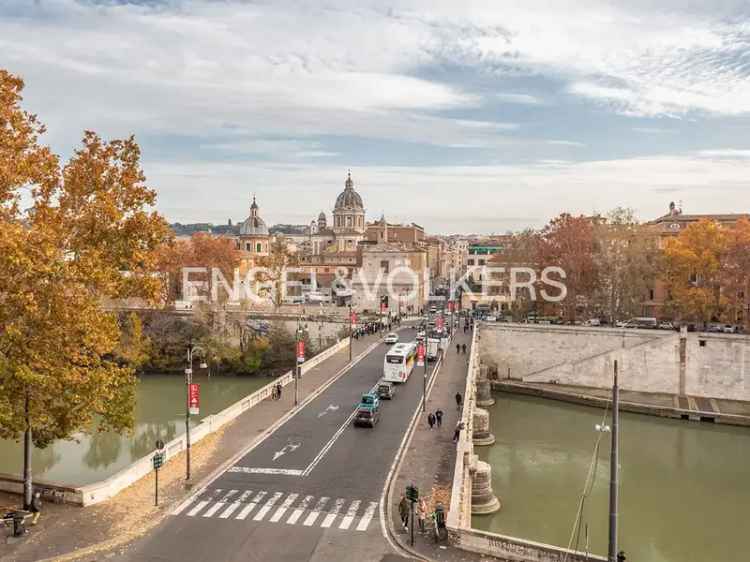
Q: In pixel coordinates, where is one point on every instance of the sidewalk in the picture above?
(431, 457)
(68, 532)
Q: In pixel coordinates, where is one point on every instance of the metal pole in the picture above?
(424, 378)
(350, 332)
(27, 485)
(614, 472)
(296, 364)
(156, 488)
(412, 522)
(188, 380)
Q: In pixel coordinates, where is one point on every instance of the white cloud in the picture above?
(561, 142)
(733, 153)
(523, 99)
(460, 198)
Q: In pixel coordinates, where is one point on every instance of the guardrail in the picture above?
(97, 492)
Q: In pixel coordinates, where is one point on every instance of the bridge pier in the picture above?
(481, 434)
(483, 500)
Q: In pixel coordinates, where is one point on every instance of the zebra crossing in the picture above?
(281, 507)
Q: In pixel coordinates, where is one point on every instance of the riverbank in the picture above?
(72, 533)
(714, 410)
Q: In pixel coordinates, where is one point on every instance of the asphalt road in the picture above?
(310, 491)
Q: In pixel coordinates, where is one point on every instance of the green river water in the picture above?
(159, 414)
(685, 486)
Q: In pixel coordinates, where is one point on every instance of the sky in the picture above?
(464, 117)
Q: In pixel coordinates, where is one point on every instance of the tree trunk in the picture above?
(27, 485)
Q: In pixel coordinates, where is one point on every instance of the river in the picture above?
(684, 485)
(159, 414)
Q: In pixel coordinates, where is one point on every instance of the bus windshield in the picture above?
(394, 359)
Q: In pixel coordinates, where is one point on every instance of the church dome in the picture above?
(253, 225)
(349, 199)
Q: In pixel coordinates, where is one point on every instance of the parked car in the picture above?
(491, 318)
(621, 324)
(642, 322)
(592, 322)
(391, 338)
(731, 329)
(666, 326)
(715, 328)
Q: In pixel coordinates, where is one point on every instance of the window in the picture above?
(249, 247)
(258, 247)
(348, 221)
(651, 294)
(384, 266)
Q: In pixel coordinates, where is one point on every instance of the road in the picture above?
(310, 492)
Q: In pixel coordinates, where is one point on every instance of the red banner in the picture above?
(420, 354)
(451, 306)
(194, 398)
(440, 323)
(353, 318)
(300, 351)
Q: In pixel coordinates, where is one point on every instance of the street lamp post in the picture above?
(351, 329)
(191, 350)
(297, 364)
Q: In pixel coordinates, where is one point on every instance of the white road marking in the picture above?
(330, 408)
(219, 504)
(330, 443)
(197, 508)
(284, 506)
(235, 504)
(367, 517)
(328, 521)
(180, 508)
(266, 508)
(315, 512)
(346, 522)
(249, 507)
(297, 513)
(288, 448)
(282, 471)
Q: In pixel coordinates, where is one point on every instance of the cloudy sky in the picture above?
(462, 116)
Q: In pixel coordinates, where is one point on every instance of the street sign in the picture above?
(420, 355)
(194, 398)
(158, 459)
(300, 351)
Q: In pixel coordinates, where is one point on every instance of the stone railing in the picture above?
(97, 492)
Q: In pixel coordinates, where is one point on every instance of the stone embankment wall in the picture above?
(712, 365)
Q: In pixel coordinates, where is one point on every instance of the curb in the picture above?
(386, 519)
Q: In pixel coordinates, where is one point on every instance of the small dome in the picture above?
(254, 226)
(322, 216)
(349, 199)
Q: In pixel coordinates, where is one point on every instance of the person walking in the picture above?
(278, 391)
(459, 399)
(431, 419)
(458, 348)
(463, 348)
(439, 418)
(421, 514)
(403, 511)
(457, 432)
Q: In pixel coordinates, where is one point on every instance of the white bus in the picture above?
(399, 362)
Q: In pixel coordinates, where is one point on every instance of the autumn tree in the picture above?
(273, 269)
(693, 271)
(520, 251)
(567, 242)
(89, 234)
(736, 273)
(626, 258)
(201, 251)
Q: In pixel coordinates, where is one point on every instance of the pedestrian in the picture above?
(421, 514)
(458, 348)
(439, 418)
(278, 391)
(431, 419)
(36, 507)
(457, 432)
(403, 511)
(463, 348)
(458, 400)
